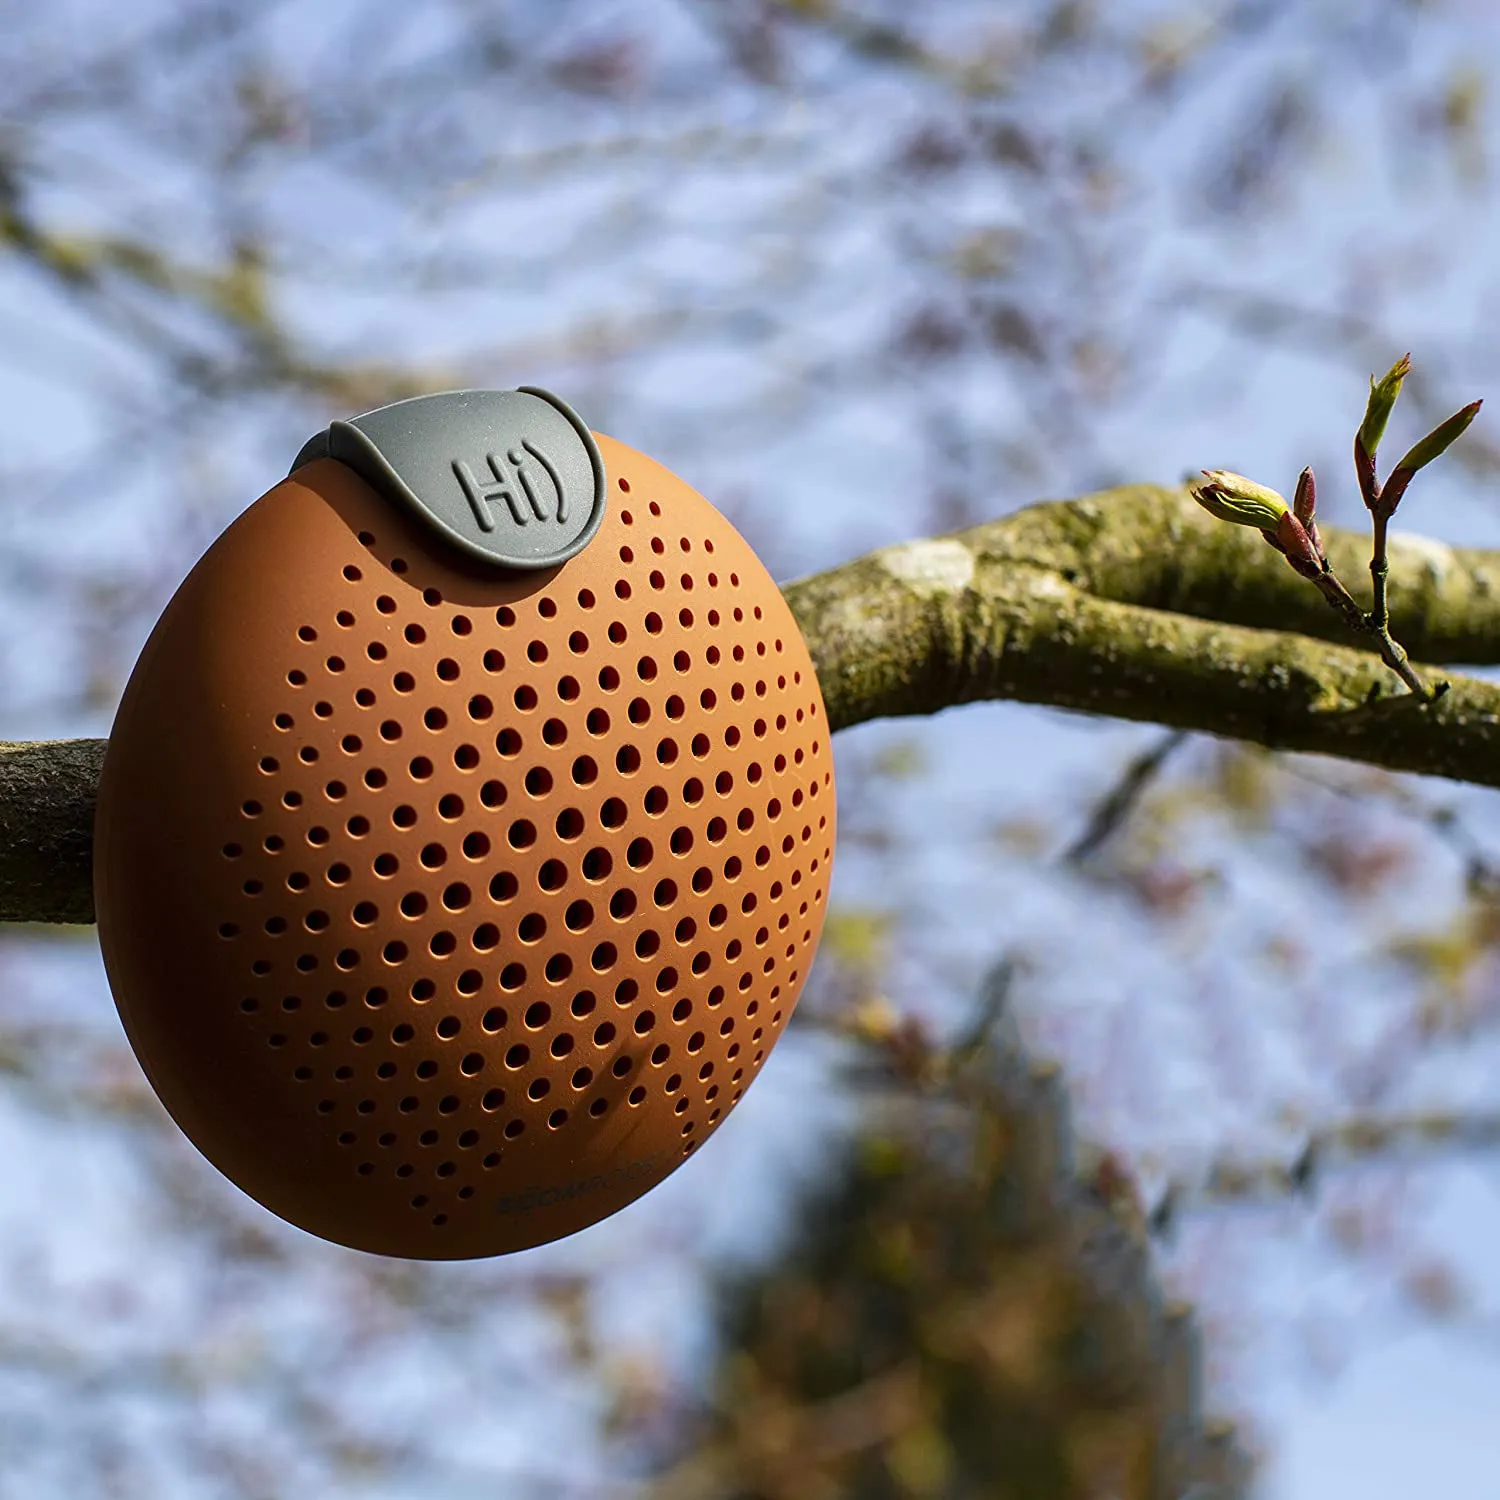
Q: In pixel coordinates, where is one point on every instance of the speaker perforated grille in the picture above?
(514, 889)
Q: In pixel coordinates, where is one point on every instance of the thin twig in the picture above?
(1116, 806)
(1234, 1181)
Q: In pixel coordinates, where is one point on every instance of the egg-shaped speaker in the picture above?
(464, 832)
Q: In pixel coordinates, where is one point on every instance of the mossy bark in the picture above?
(47, 796)
(1136, 605)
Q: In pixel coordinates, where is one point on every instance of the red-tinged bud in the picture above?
(1440, 439)
(1303, 504)
(1434, 445)
(1305, 500)
(1393, 489)
(1364, 467)
(1298, 547)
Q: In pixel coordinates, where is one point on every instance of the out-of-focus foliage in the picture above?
(961, 1315)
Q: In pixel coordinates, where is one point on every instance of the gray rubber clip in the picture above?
(513, 478)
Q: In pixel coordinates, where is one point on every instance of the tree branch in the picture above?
(1132, 604)
(47, 796)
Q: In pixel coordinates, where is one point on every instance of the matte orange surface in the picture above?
(448, 912)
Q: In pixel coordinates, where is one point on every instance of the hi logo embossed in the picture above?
(518, 488)
(535, 498)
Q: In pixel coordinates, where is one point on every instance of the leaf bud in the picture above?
(1383, 393)
(1303, 504)
(1232, 497)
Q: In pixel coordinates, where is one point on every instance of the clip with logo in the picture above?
(512, 478)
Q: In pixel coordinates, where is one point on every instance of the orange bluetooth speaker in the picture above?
(464, 833)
